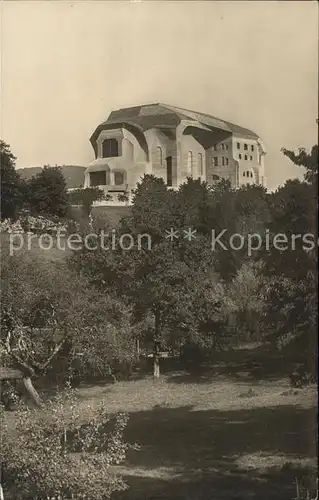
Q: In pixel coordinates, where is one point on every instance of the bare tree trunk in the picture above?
(156, 367)
(156, 347)
(32, 392)
(138, 348)
(1, 493)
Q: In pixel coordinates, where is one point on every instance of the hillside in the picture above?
(74, 174)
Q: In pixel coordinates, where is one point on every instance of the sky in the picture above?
(66, 65)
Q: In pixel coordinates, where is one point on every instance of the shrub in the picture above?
(40, 460)
(301, 377)
(46, 192)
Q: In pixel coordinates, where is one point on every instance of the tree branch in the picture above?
(44, 365)
(28, 370)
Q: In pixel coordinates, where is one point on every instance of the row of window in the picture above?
(224, 160)
(216, 161)
(110, 148)
(190, 161)
(245, 174)
(222, 146)
(246, 157)
(252, 148)
(103, 178)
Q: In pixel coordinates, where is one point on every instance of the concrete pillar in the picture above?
(86, 180)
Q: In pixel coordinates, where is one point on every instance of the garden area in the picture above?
(171, 370)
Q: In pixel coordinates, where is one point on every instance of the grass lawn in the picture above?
(220, 434)
(218, 439)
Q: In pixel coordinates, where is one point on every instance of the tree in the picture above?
(251, 209)
(244, 304)
(168, 280)
(86, 197)
(291, 312)
(11, 184)
(307, 160)
(46, 192)
(293, 214)
(50, 313)
(291, 273)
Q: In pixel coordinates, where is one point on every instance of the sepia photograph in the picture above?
(159, 245)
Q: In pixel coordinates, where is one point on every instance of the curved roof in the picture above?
(165, 116)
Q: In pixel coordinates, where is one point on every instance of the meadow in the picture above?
(218, 435)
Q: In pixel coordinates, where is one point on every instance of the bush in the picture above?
(11, 183)
(46, 192)
(53, 452)
(301, 377)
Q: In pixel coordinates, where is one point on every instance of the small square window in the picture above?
(246, 157)
(245, 147)
(238, 145)
(239, 156)
(252, 148)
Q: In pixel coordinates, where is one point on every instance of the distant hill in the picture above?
(73, 174)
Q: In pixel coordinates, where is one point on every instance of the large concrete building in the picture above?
(171, 143)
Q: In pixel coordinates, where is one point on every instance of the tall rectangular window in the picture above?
(245, 147)
(200, 163)
(223, 160)
(238, 145)
(110, 148)
(118, 178)
(190, 162)
(252, 148)
(246, 157)
(169, 171)
(158, 156)
(226, 161)
(215, 161)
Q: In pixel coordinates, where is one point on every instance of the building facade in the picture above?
(174, 144)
